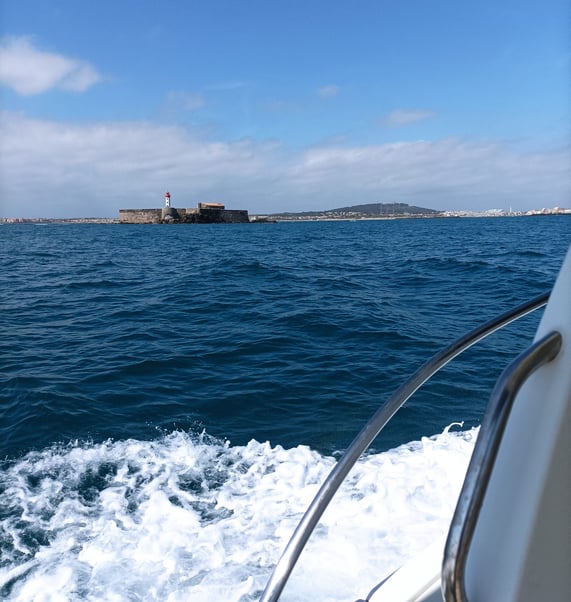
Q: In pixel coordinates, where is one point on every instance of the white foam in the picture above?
(193, 519)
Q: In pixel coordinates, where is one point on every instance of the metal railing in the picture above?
(363, 440)
(483, 459)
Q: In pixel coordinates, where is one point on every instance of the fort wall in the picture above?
(140, 216)
(194, 215)
(222, 216)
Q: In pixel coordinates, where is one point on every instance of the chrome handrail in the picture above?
(483, 459)
(363, 440)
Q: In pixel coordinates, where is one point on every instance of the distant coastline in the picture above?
(346, 214)
(59, 220)
(326, 217)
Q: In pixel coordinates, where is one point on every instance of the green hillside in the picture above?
(366, 210)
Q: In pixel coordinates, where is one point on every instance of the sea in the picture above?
(172, 397)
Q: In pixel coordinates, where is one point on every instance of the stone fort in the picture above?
(204, 213)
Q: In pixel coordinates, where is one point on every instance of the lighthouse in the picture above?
(169, 214)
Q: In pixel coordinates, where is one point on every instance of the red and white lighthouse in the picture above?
(167, 199)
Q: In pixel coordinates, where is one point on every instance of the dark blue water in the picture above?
(292, 333)
(143, 368)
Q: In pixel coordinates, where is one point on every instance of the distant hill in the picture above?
(386, 208)
(369, 209)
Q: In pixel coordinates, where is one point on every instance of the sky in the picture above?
(275, 105)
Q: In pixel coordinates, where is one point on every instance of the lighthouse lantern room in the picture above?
(167, 199)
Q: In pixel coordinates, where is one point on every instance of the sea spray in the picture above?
(192, 518)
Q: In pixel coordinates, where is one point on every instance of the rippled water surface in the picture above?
(158, 375)
(291, 333)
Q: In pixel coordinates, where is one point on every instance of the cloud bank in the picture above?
(55, 169)
(29, 71)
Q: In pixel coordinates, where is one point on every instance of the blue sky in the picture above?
(283, 106)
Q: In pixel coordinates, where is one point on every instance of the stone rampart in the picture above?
(184, 216)
(222, 216)
(140, 216)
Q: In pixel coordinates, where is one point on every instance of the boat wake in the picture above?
(193, 518)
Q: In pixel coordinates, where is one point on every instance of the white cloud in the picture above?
(57, 169)
(29, 71)
(328, 91)
(444, 174)
(406, 116)
(52, 168)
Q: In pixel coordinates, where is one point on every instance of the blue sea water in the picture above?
(154, 377)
